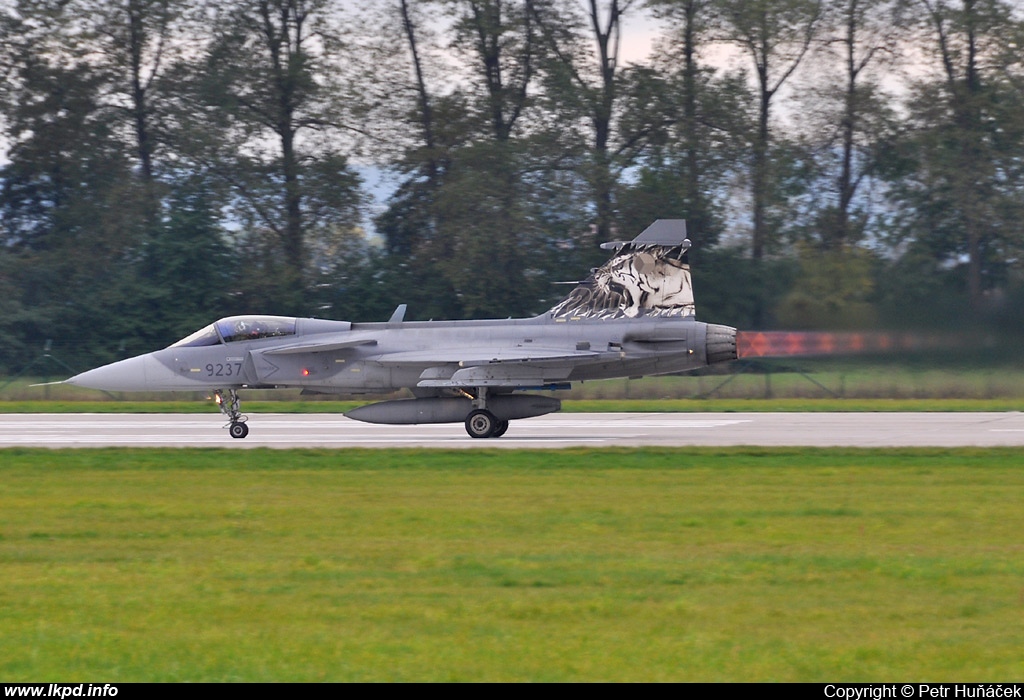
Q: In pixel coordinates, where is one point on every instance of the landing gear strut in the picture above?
(229, 407)
(481, 423)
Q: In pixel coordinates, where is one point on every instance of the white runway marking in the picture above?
(551, 431)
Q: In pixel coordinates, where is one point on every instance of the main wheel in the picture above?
(238, 430)
(500, 428)
(481, 423)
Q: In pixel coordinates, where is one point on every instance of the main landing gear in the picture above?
(229, 407)
(481, 423)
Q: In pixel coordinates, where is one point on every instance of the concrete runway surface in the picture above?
(551, 431)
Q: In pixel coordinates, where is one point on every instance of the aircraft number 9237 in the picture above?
(227, 369)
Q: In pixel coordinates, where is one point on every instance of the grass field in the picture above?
(609, 565)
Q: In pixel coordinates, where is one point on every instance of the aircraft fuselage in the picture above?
(383, 357)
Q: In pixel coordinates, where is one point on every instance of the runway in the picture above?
(285, 431)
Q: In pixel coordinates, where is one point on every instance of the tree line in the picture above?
(840, 163)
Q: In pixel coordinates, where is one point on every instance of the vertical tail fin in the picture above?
(648, 276)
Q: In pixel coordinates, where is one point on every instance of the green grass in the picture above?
(488, 565)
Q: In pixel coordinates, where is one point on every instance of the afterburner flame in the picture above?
(807, 343)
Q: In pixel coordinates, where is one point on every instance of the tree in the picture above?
(132, 43)
(702, 138)
(270, 86)
(588, 85)
(775, 35)
(863, 36)
(695, 122)
(956, 171)
(463, 219)
(96, 234)
(72, 213)
(834, 203)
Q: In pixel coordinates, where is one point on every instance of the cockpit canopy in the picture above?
(238, 328)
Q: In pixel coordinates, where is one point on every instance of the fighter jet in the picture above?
(632, 316)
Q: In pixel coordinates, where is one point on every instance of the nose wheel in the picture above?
(230, 407)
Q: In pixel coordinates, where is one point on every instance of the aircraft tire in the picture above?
(238, 430)
(481, 423)
(500, 429)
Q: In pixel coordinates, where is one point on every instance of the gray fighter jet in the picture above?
(632, 316)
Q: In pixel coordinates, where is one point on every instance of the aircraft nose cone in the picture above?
(126, 375)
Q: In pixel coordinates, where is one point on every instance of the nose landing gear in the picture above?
(230, 408)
